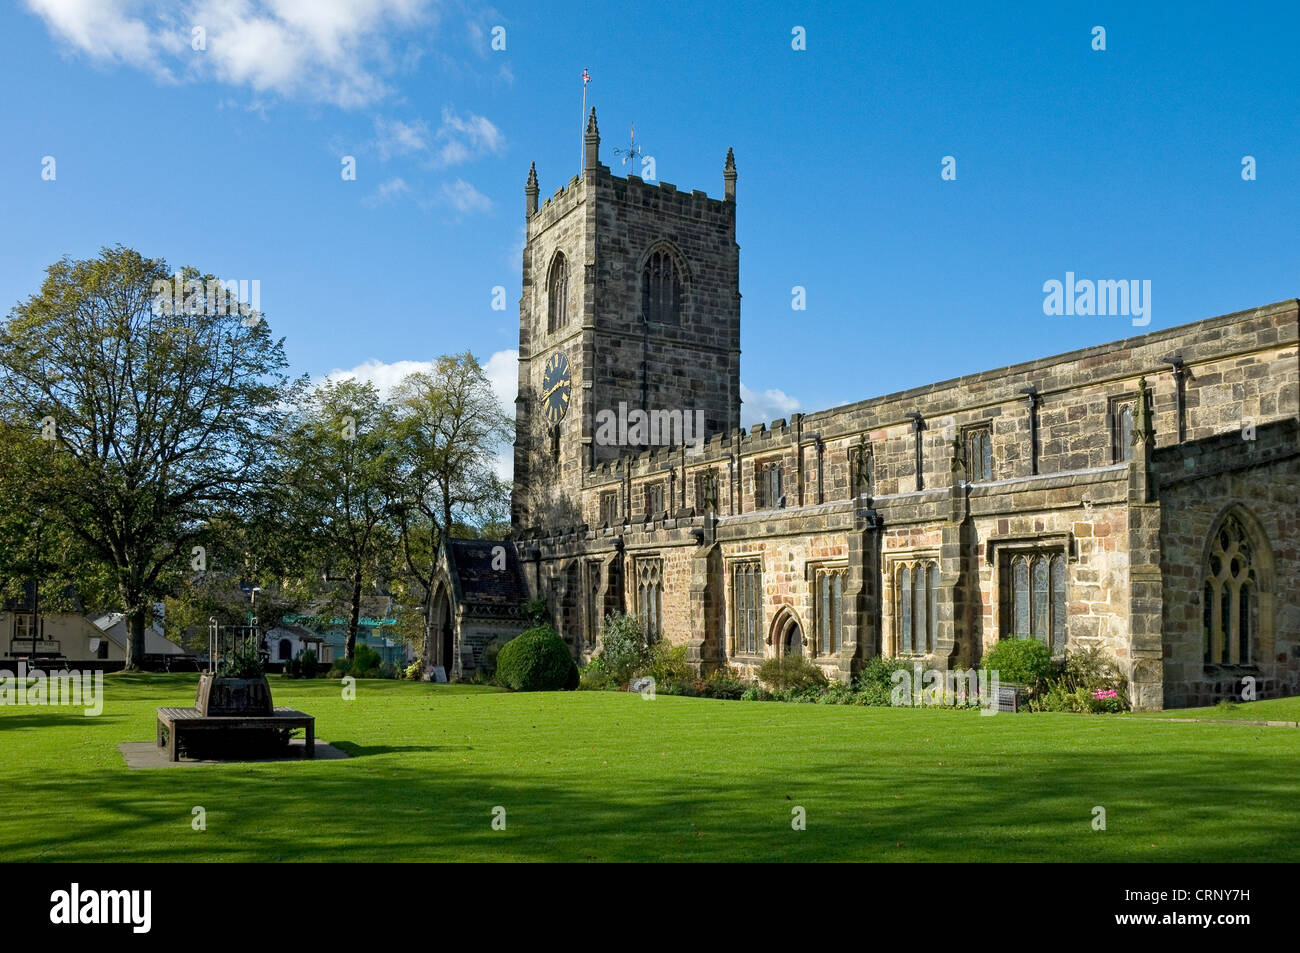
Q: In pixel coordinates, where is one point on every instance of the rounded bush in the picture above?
(1023, 661)
(537, 661)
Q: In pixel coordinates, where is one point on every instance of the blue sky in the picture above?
(1117, 164)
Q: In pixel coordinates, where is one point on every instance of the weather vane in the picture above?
(632, 152)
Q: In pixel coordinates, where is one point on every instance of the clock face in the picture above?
(556, 387)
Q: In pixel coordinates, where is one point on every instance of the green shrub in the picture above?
(537, 661)
(415, 670)
(875, 682)
(724, 683)
(622, 647)
(689, 687)
(837, 693)
(1055, 697)
(244, 660)
(787, 672)
(388, 670)
(804, 695)
(1088, 682)
(365, 660)
(303, 665)
(488, 665)
(537, 612)
(342, 666)
(594, 677)
(667, 663)
(1023, 661)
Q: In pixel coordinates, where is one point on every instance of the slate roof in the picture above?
(471, 561)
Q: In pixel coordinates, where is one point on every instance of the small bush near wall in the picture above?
(595, 677)
(667, 663)
(537, 661)
(724, 683)
(875, 683)
(1025, 662)
(622, 647)
(787, 673)
(1088, 682)
(837, 693)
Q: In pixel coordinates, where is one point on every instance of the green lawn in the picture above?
(1272, 709)
(610, 776)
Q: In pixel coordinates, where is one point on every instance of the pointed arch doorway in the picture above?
(787, 634)
(442, 634)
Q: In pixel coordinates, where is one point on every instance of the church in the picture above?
(1141, 497)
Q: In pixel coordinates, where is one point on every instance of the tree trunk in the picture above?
(135, 641)
(355, 618)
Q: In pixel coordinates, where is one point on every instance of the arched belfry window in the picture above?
(1232, 594)
(557, 293)
(661, 289)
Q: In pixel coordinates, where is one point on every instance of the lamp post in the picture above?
(36, 591)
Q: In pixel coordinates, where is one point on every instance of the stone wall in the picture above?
(1132, 532)
(1258, 479)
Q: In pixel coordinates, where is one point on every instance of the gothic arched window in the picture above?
(649, 598)
(557, 293)
(1038, 607)
(979, 454)
(661, 289)
(747, 607)
(830, 611)
(1231, 596)
(916, 616)
(1126, 433)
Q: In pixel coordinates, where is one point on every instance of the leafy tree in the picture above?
(158, 411)
(34, 549)
(340, 476)
(449, 427)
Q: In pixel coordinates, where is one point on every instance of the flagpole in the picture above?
(582, 127)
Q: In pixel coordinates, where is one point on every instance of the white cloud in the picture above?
(464, 198)
(397, 138)
(462, 139)
(385, 376)
(102, 29)
(335, 51)
(771, 404)
(388, 191)
(459, 139)
(502, 370)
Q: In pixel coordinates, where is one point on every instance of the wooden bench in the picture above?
(176, 720)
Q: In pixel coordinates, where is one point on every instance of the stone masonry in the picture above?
(1118, 465)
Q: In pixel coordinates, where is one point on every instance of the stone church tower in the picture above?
(631, 300)
(1137, 497)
